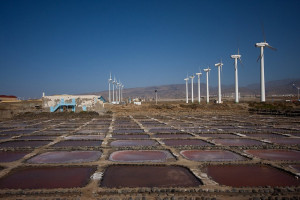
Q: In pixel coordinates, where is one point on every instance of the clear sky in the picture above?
(69, 47)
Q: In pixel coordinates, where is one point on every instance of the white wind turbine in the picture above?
(187, 89)
(236, 57)
(117, 84)
(219, 65)
(122, 92)
(114, 82)
(120, 85)
(192, 83)
(109, 81)
(207, 87)
(262, 45)
(199, 94)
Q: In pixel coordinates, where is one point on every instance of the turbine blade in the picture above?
(263, 31)
(259, 57)
(270, 47)
(241, 62)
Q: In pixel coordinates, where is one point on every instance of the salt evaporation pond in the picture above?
(296, 167)
(47, 177)
(275, 154)
(174, 135)
(122, 143)
(264, 135)
(185, 142)
(10, 156)
(140, 156)
(66, 157)
(85, 137)
(130, 136)
(286, 141)
(37, 137)
(211, 155)
(120, 131)
(218, 135)
(148, 176)
(78, 143)
(237, 142)
(20, 143)
(250, 176)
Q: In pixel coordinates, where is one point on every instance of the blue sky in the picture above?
(69, 47)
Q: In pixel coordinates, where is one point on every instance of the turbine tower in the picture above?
(219, 65)
(207, 87)
(114, 82)
(262, 45)
(199, 94)
(120, 90)
(109, 81)
(187, 89)
(236, 57)
(192, 83)
(117, 91)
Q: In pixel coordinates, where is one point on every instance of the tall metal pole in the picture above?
(262, 76)
(192, 83)
(114, 89)
(236, 81)
(187, 89)
(219, 84)
(207, 88)
(120, 92)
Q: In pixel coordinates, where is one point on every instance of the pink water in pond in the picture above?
(121, 143)
(130, 136)
(237, 142)
(250, 176)
(286, 141)
(66, 157)
(47, 177)
(172, 135)
(20, 143)
(148, 176)
(85, 137)
(211, 135)
(139, 156)
(182, 142)
(274, 154)
(78, 143)
(10, 156)
(211, 155)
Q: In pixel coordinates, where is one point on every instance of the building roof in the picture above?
(7, 96)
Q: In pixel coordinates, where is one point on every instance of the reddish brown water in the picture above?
(130, 136)
(66, 157)
(47, 178)
(211, 135)
(78, 143)
(148, 176)
(250, 176)
(211, 155)
(172, 135)
(37, 137)
(237, 142)
(139, 156)
(274, 154)
(85, 137)
(182, 142)
(20, 143)
(162, 130)
(286, 141)
(10, 156)
(121, 143)
(263, 135)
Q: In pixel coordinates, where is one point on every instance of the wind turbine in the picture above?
(187, 89)
(262, 45)
(192, 83)
(199, 95)
(117, 91)
(236, 57)
(207, 88)
(120, 84)
(114, 82)
(109, 81)
(219, 65)
(122, 92)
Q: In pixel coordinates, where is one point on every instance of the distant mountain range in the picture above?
(177, 91)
